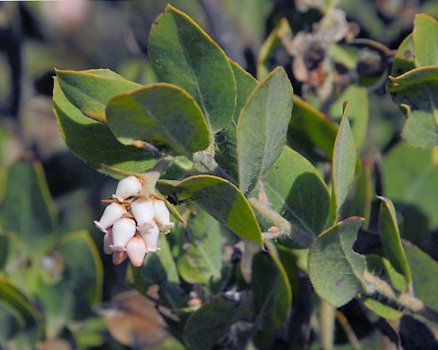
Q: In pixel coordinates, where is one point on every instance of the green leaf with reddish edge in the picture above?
(344, 164)
(391, 240)
(272, 298)
(310, 127)
(221, 199)
(28, 209)
(404, 57)
(161, 114)
(201, 258)
(93, 141)
(425, 37)
(90, 90)
(417, 94)
(358, 113)
(183, 54)
(295, 190)
(262, 127)
(83, 267)
(226, 154)
(27, 317)
(335, 270)
(424, 271)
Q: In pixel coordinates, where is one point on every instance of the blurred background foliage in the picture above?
(54, 281)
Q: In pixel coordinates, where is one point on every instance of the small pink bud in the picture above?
(111, 214)
(128, 187)
(123, 231)
(143, 211)
(108, 242)
(119, 257)
(162, 216)
(136, 250)
(149, 233)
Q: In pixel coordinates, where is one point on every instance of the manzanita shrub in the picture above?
(280, 225)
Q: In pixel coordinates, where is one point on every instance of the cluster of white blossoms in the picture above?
(132, 222)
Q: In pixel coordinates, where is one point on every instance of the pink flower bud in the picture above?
(143, 211)
(128, 187)
(111, 214)
(136, 250)
(119, 257)
(162, 216)
(123, 231)
(108, 242)
(149, 233)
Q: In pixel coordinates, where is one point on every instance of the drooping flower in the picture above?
(143, 211)
(136, 250)
(162, 216)
(128, 187)
(111, 214)
(123, 231)
(149, 233)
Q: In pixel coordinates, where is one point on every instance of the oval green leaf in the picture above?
(404, 57)
(93, 141)
(90, 90)
(183, 54)
(161, 114)
(344, 162)
(201, 258)
(295, 190)
(221, 199)
(391, 240)
(417, 93)
(335, 270)
(425, 37)
(262, 127)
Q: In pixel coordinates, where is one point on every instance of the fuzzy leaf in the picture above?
(93, 141)
(425, 37)
(183, 54)
(221, 199)
(295, 190)
(335, 270)
(161, 114)
(262, 127)
(391, 240)
(90, 90)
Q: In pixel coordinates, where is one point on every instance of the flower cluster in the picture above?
(132, 222)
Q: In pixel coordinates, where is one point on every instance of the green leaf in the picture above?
(404, 57)
(90, 90)
(262, 127)
(357, 111)
(83, 271)
(93, 141)
(183, 54)
(221, 199)
(409, 174)
(201, 258)
(272, 297)
(383, 269)
(308, 126)
(382, 310)
(28, 209)
(226, 154)
(28, 319)
(204, 328)
(425, 37)
(161, 114)
(417, 94)
(295, 190)
(391, 241)
(335, 270)
(344, 162)
(424, 271)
